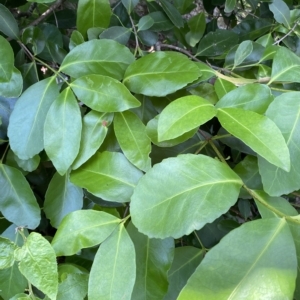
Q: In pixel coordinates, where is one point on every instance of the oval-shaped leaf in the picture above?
(104, 94)
(183, 115)
(242, 52)
(6, 61)
(229, 6)
(113, 271)
(185, 188)
(117, 33)
(197, 25)
(250, 263)
(8, 24)
(145, 23)
(104, 57)
(134, 142)
(12, 88)
(160, 73)
(258, 132)
(281, 12)
(7, 249)
(83, 229)
(62, 131)
(172, 13)
(108, 175)
(17, 202)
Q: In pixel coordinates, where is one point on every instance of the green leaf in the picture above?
(183, 115)
(7, 60)
(62, 197)
(103, 57)
(113, 271)
(8, 24)
(28, 165)
(284, 111)
(281, 12)
(197, 25)
(38, 264)
(258, 132)
(92, 13)
(75, 39)
(12, 88)
(94, 130)
(62, 131)
(255, 97)
(286, 66)
(145, 23)
(35, 37)
(185, 188)
(7, 253)
(25, 135)
(94, 227)
(17, 202)
(222, 87)
(186, 260)
(41, 1)
(108, 175)
(103, 93)
(161, 22)
(229, 6)
(134, 142)
(172, 13)
(160, 73)
(153, 261)
(130, 5)
(117, 33)
(242, 52)
(255, 267)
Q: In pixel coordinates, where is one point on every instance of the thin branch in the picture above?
(286, 35)
(135, 35)
(180, 50)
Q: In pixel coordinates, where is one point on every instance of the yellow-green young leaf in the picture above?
(94, 130)
(26, 136)
(103, 57)
(285, 112)
(113, 271)
(62, 197)
(62, 131)
(6, 60)
(7, 249)
(153, 261)
(281, 12)
(189, 192)
(160, 73)
(250, 262)
(17, 202)
(12, 88)
(183, 115)
(8, 24)
(92, 13)
(258, 132)
(222, 87)
(108, 175)
(38, 264)
(134, 142)
(103, 93)
(83, 229)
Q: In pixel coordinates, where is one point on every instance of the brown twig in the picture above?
(179, 50)
(135, 35)
(286, 35)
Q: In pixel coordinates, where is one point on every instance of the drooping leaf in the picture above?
(12, 88)
(160, 73)
(172, 13)
(108, 175)
(284, 111)
(25, 135)
(62, 131)
(17, 201)
(7, 60)
(134, 142)
(281, 12)
(103, 57)
(113, 271)
(130, 5)
(242, 52)
(229, 6)
(62, 197)
(185, 188)
(92, 13)
(153, 261)
(92, 229)
(255, 267)
(8, 24)
(258, 132)
(197, 25)
(38, 264)
(103, 93)
(183, 115)
(7, 253)
(117, 33)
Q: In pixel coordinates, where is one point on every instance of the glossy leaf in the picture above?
(92, 13)
(17, 201)
(179, 205)
(130, 5)
(183, 115)
(153, 261)
(7, 60)
(133, 140)
(281, 12)
(197, 25)
(117, 33)
(284, 111)
(7, 253)
(94, 130)
(172, 13)
(113, 272)
(222, 87)
(12, 88)
(145, 23)
(62, 131)
(62, 197)
(94, 227)
(76, 39)
(25, 135)
(258, 132)
(8, 24)
(265, 272)
(160, 73)
(104, 57)
(108, 175)
(103, 93)
(229, 6)
(38, 264)
(242, 52)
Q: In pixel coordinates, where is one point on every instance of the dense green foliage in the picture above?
(149, 149)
